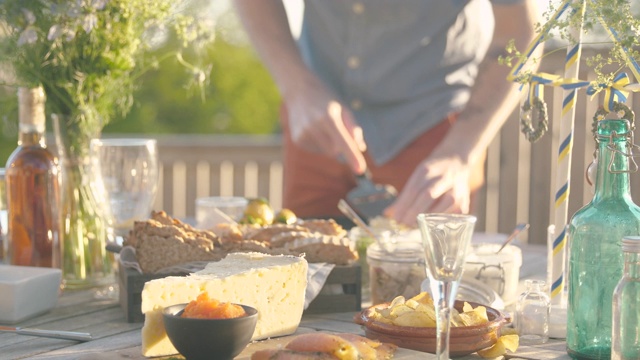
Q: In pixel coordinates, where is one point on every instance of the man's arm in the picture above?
(441, 182)
(266, 24)
(493, 98)
(319, 122)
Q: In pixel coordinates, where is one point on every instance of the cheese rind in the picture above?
(274, 285)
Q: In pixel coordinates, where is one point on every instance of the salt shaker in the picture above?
(625, 344)
(532, 313)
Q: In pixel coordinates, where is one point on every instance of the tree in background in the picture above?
(240, 97)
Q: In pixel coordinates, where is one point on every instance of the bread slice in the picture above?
(160, 243)
(163, 241)
(323, 248)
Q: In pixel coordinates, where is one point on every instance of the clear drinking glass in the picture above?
(125, 180)
(126, 173)
(446, 239)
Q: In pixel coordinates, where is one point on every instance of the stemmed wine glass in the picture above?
(446, 239)
(125, 181)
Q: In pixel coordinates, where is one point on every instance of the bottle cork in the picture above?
(31, 104)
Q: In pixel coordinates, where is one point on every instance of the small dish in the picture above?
(209, 338)
(27, 291)
(464, 340)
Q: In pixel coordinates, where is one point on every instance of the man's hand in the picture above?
(441, 182)
(439, 185)
(321, 124)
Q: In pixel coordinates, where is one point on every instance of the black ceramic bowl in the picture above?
(209, 338)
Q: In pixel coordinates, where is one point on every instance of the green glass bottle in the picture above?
(595, 238)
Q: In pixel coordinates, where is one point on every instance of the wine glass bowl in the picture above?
(126, 178)
(446, 239)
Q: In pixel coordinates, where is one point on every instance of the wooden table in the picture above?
(114, 338)
(117, 339)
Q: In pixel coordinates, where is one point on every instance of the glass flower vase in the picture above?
(85, 261)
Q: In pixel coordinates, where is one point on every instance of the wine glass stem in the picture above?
(444, 324)
(444, 303)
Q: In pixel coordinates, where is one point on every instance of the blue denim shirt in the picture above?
(401, 65)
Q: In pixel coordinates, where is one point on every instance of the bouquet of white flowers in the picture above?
(88, 54)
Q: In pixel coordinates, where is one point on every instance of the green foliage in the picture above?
(88, 54)
(234, 92)
(239, 98)
(615, 18)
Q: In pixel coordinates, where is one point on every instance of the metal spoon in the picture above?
(348, 211)
(520, 227)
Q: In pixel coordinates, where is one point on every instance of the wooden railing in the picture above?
(520, 176)
(219, 165)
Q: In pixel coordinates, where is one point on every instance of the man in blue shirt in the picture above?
(409, 89)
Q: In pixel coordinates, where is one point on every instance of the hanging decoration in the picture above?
(534, 116)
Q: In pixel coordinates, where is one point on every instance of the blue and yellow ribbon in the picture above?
(513, 75)
(614, 92)
(559, 243)
(536, 88)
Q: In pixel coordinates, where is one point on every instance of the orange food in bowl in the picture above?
(205, 308)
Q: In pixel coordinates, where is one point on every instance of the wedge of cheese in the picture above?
(273, 284)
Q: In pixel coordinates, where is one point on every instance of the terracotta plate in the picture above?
(463, 340)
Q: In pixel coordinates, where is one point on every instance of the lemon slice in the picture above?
(504, 343)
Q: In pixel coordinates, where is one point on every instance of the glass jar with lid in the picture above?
(395, 269)
(361, 240)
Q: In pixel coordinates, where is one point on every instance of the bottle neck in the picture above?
(535, 285)
(612, 179)
(30, 136)
(632, 265)
(32, 116)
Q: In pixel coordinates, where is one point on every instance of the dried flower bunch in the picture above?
(615, 17)
(570, 20)
(88, 54)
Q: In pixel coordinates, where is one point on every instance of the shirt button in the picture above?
(353, 62)
(356, 104)
(358, 8)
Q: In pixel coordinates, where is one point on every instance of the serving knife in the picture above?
(369, 199)
(56, 334)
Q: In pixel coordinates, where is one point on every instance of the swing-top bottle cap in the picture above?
(631, 244)
(607, 127)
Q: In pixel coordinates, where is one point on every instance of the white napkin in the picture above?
(128, 259)
(316, 275)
